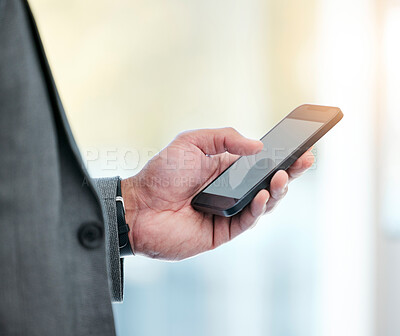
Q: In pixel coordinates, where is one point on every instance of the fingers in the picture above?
(225, 229)
(217, 141)
(279, 183)
(278, 189)
(249, 216)
(264, 202)
(303, 163)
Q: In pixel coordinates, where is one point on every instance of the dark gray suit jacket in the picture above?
(59, 259)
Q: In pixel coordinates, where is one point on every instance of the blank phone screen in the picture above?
(248, 171)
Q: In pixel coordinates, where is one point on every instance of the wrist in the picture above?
(130, 196)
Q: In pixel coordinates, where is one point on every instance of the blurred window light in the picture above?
(391, 125)
(346, 73)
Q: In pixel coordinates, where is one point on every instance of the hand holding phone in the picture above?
(158, 200)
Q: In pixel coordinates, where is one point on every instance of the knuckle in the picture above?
(230, 129)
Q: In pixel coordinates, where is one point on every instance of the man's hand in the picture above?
(157, 200)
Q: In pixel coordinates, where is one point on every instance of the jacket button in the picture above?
(90, 235)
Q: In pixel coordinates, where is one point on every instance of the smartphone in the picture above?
(233, 189)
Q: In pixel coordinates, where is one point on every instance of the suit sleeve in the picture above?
(107, 190)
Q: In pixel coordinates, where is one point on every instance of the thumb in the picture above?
(220, 140)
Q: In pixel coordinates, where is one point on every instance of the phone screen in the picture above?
(281, 142)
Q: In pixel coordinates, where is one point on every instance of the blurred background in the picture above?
(134, 73)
